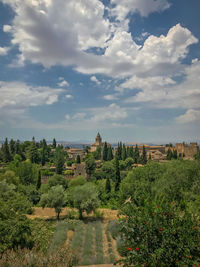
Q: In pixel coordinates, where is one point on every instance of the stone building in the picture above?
(74, 152)
(187, 151)
(98, 143)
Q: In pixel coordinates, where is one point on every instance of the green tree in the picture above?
(54, 143)
(38, 185)
(78, 159)
(110, 153)
(6, 152)
(175, 156)
(105, 151)
(108, 185)
(117, 174)
(144, 155)
(57, 179)
(59, 160)
(124, 153)
(119, 151)
(79, 180)
(136, 154)
(14, 228)
(12, 147)
(90, 165)
(33, 152)
(169, 154)
(156, 234)
(55, 198)
(85, 198)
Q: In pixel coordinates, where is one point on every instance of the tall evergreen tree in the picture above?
(124, 155)
(78, 159)
(6, 152)
(144, 155)
(43, 157)
(108, 185)
(17, 147)
(54, 143)
(119, 151)
(110, 153)
(12, 147)
(149, 156)
(33, 152)
(175, 156)
(131, 152)
(38, 185)
(169, 154)
(105, 151)
(117, 174)
(60, 160)
(136, 154)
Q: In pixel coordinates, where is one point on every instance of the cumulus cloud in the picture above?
(4, 51)
(94, 79)
(123, 8)
(113, 112)
(68, 96)
(17, 97)
(110, 97)
(191, 115)
(63, 82)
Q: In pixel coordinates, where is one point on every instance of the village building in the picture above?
(74, 152)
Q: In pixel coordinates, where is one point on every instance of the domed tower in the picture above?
(98, 139)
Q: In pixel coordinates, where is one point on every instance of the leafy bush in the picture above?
(158, 235)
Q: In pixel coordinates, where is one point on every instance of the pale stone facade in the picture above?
(98, 143)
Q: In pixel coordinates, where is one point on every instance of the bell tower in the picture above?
(98, 139)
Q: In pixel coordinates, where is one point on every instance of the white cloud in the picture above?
(68, 96)
(7, 28)
(79, 116)
(144, 7)
(191, 115)
(111, 113)
(164, 93)
(94, 79)
(4, 51)
(20, 95)
(110, 97)
(63, 83)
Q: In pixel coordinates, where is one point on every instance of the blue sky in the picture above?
(129, 69)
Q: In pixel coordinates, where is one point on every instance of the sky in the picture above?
(129, 69)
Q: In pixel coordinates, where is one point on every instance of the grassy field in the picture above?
(90, 239)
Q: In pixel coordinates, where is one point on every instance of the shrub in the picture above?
(158, 235)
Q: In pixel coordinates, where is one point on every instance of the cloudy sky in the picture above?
(129, 69)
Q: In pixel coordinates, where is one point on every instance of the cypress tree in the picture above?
(110, 153)
(175, 156)
(54, 143)
(124, 155)
(136, 154)
(149, 156)
(17, 147)
(108, 186)
(6, 151)
(169, 154)
(105, 151)
(38, 180)
(144, 155)
(12, 147)
(117, 174)
(78, 159)
(131, 153)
